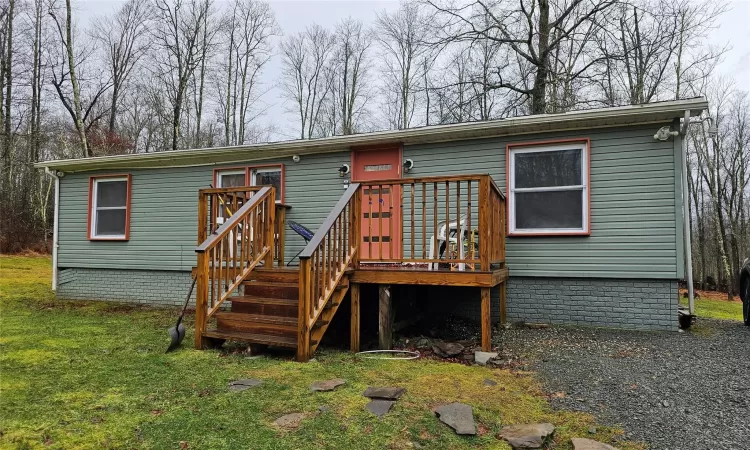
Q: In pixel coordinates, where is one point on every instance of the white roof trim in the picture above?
(587, 119)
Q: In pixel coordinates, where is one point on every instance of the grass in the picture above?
(94, 375)
(716, 309)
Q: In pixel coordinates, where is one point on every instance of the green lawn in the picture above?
(716, 309)
(94, 375)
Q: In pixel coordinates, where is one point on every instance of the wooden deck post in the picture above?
(354, 340)
(270, 228)
(201, 299)
(486, 324)
(303, 331)
(385, 318)
(281, 227)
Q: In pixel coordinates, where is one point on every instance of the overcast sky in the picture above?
(294, 15)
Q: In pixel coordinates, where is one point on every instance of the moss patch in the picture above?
(94, 375)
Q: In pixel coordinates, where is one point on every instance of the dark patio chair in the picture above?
(303, 231)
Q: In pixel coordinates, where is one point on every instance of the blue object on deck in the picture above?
(303, 231)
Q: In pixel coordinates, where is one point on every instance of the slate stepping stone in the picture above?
(481, 358)
(447, 349)
(380, 407)
(527, 436)
(384, 393)
(244, 384)
(289, 420)
(488, 382)
(328, 385)
(458, 416)
(590, 444)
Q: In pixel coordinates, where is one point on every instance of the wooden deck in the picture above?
(241, 246)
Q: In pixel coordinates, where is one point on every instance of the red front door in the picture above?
(381, 205)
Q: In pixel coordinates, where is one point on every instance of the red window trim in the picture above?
(584, 140)
(249, 169)
(89, 216)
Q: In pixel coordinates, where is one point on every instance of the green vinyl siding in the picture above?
(164, 204)
(635, 208)
(635, 203)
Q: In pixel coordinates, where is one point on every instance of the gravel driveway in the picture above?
(671, 390)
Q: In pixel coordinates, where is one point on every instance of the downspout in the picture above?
(55, 227)
(685, 219)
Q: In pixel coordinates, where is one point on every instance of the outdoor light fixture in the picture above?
(60, 174)
(344, 169)
(665, 133)
(295, 158)
(408, 165)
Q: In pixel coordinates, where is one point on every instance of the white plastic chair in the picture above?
(453, 234)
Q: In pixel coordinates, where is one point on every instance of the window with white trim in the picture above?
(109, 208)
(230, 178)
(548, 189)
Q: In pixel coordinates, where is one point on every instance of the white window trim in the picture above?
(254, 172)
(584, 187)
(221, 173)
(95, 208)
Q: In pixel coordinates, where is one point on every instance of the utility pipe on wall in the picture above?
(686, 216)
(55, 227)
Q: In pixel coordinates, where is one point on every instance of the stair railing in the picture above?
(226, 257)
(325, 260)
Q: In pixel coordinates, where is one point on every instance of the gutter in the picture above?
(55, 227)
(686, 219)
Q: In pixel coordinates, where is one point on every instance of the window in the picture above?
(109, 207)
(253, 176)
(548, 185)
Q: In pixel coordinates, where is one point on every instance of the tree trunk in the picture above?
(74, 82)
(539, 91)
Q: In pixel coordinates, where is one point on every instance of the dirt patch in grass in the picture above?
(94, 375)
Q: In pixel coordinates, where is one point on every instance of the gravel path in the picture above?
(671, 390)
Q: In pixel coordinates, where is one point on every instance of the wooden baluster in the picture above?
(435, 242)
(459, 225)
(412, 235)
(369, 224)
(390, 221)
(469, 212)
(484, 222)
(380, 221)
(400, 220)
(447, 221)
(318, 274)
(424, 220)
(270, 236)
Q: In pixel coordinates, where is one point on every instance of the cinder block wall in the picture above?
(149, 287)
(616, 303)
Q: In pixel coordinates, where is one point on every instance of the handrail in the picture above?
(233, 221)
(324, 262)
(227, 256)
(326, 226)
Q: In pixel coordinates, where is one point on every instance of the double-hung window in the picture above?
(548, 188)
(109, 207)
(272, 175)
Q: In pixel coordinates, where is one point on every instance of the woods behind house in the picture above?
(172, 74)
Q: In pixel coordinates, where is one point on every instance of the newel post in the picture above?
(303, 331)
(484, 223)
(201, 299)
(355, 230)
(270, 227)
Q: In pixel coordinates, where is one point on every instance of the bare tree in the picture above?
(178, 34)
(305, 57)
(404, 37)
(124, 40)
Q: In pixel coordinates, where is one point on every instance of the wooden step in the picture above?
(272, 289)
(256, 324)
(266, 306)
(253, 338)
(276, 274)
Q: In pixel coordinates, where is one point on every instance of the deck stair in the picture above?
(267, 311)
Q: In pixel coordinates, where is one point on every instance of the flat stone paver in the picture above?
(380, 407)
(328, 385)
(384, 393)
(458, 416)
(292, 420)
(527, 436)
(590, 444)
(481, 358)
(244, 384)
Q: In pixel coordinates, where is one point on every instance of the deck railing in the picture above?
(436, 223)
(220, 203)
(226, 257)
(324, 261)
